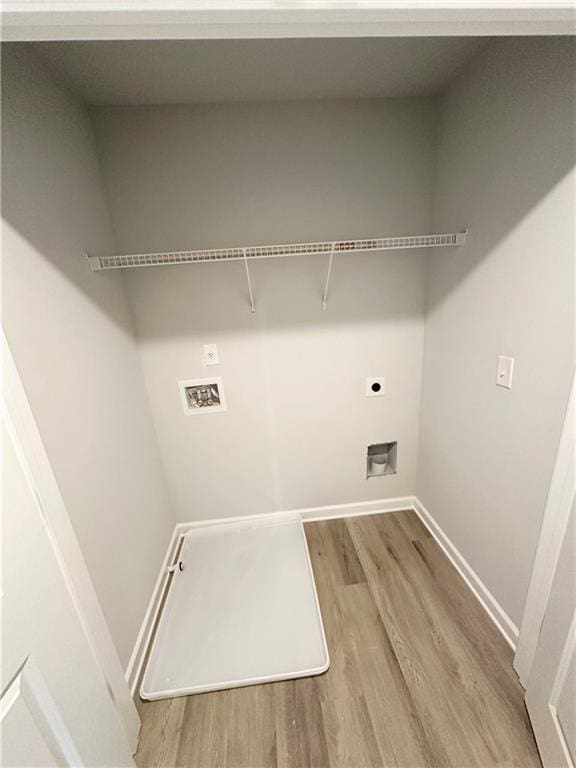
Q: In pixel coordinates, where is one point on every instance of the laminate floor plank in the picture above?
(300, 732)
(334, 548)
(399, 732)
(419, 675)
(160, 733)
(492, 655)
(350, 733)
(412, 525)
(442, 657)
(426, 661)
(483, 656)
(250, 729)
(203, 740)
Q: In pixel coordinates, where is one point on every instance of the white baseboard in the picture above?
(311, 514)
(357, 509)
(492, 607)
(134, 668)
(183, 528)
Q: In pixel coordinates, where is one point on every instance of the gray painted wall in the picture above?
(71, 336)
(505, 168)
(298, 423)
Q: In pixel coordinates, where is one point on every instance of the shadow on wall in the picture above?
(107, 296)
(213, 298)
(53, 197)
(52, 194)
(507, 139)
(60, 208)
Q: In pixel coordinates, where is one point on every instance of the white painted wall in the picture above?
(505, 168)
(298, 423)
(72, 339)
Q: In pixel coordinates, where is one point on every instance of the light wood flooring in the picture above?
(419, 675)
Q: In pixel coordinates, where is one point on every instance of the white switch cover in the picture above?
(504, 372)
(211, 355)
(376, 386)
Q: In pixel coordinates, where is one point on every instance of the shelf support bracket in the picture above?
(252, 307)
(328, 276)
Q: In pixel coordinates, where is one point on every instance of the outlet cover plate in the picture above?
(376, 386)
(210, 354)
(504, 371)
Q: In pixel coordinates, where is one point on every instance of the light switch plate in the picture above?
(211, 355)
(504, 372)
(376, 386)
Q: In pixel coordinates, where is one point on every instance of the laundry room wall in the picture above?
(505, 169)
(72, 339)
(298, 422)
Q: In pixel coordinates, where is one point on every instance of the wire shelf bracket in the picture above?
(250, 293)
(328, 276)
(129, 261)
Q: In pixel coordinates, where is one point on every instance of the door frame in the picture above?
(220, 19)
(29, 688)
(36, 464)
(552, 532)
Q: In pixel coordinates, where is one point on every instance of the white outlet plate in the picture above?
(376, 386)
(210, 353)
(504, 372)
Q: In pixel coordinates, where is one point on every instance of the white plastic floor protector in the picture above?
(243, 610)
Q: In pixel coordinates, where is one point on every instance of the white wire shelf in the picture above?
(329, 247)
(129, 261)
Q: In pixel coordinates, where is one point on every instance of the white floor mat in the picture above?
(243, 610)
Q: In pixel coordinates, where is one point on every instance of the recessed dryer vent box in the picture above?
(202, 395)
(381, 459)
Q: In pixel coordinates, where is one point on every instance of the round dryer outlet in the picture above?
(375, 386)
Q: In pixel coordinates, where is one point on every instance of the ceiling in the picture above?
(183, 71)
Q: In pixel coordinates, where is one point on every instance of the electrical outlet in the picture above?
(211, 355)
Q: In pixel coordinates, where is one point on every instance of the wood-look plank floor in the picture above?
(419, 675)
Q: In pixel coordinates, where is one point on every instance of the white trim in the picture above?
(19, 420)
(358, 509)
(311, 514)
(492, 607)
(561, 674)
(23, 20)
(30, 687)
(552, 532)
(138, 656)
(183, 528)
